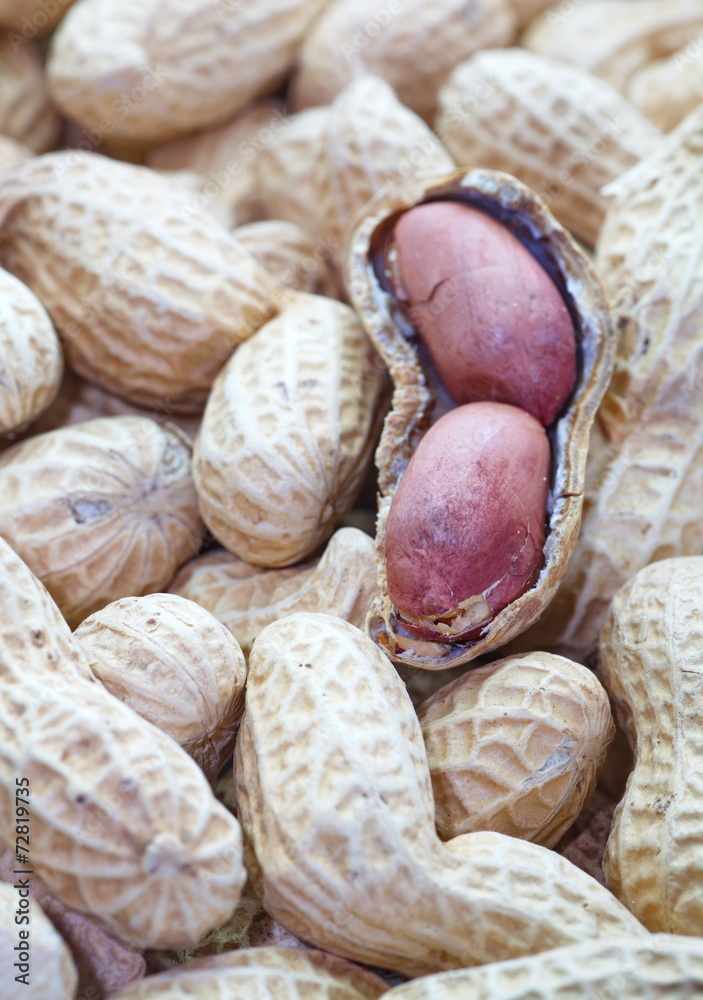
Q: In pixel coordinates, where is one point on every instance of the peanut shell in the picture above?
(667, 90)
(32, 17)
(417, 390)
(12, 152)
(294, 256)
(25, 112)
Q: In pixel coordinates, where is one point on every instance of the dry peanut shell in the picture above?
(124, 825)
(527, 10)
(100, 510)
(649, 659)
(12, 152)
(558, 129)
(587, 849)
(172, 662)
(25, 112)
(158, 68)
(649, 968)
(32, 17)
(528, 218)
(667, 90)
(614, 38)
(298, 259)
(247, 598)
(646, 476)
(49, 973)
(412, 45)
(149, 298)
(104, 964)
(288, 433)
(516, 746)
(31, 363)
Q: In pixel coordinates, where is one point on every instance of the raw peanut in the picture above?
(49, 973)
(25, 112)
(174, 67)
(587, 849)
(650, 968)
(492, 319)
(286, 171)
(556, 127)
(667, 90)
(103, 963)
(100, 510)
(419, 394)
(175, 665)
(149, 298)
(259, 973)
(298, 259)
(414, 48)
(124, 824)
(32, 17)
(12, 153)
(649, 660)
(466, 526)
(614, 38)
(288, 431)
(646, 475)
(337, 807)
(372, 142)
(247, 598)
(516, 746)
(31, 364)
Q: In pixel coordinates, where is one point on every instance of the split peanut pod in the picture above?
(334, 796)
(482, 307)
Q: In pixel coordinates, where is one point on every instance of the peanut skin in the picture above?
(492, 319)
(466, 527)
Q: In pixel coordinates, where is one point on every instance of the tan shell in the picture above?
(529, 218)
(176, 665)
(287, 166)
(150, 299)
(516, 746)
(298, 259)
(160, 68)
(527, 10)
(100, 510)
(667, 90)
(645, 475)
(25, 112)
(247, 598)
(630, 968)
(103, 963)
(614, 38)
(124, 825)
(337, 808)
(558, 129)
(414, 45)
(32, 17)
(12, 152)
(50, 973)
(649, 659)
(288, 432)
(258, 974)
(31, 363)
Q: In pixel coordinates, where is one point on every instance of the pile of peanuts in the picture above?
(351, 499)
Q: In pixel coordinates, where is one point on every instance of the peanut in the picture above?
(492, 319)
(298, 259)
(12, 153)
(336, 803)
(32, 17)
(516, 746)
(175, 665)
(667, 90)
(25, 112)
(466, 527)
(587, 849)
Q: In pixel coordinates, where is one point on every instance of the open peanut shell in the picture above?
(419, 398)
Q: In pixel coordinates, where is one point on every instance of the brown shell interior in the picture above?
(418, 397)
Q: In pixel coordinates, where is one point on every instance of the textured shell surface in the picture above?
(649, 968)
(557, 128)
(259, 973)
(516, 746)
(25, 112)
(176, 665)
(154, 69)
(416, 389)
(414, 46)
(288, 432)
(101, 510)
(12, 152)
(31, 363)
(124, 824)
(247, 598)
(650, 663)
(52, 972)
(667, 90)
(104, 964)
(646, 466)
(149, 294)
(334, 795)
(298, 259)
(32, 17)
